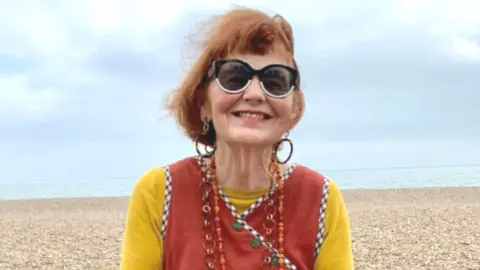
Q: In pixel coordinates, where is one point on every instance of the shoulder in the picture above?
(335, 203)
(331, 194)
(184, 165)
(334, 193)
(314, 179)
(309, 178)
(155, 180)
(150, 183)
(323, 187)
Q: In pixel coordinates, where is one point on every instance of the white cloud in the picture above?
(454, 24)
(57, 38)
(17, 99)
(337, 26)
(466, 49)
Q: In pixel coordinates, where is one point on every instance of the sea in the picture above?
(383, 178)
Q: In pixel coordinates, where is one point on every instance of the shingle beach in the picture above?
(431, 228)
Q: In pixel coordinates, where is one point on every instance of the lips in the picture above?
(251, 114)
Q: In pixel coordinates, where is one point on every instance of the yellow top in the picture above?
(142, 246)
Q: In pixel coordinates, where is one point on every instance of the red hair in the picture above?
(239, 31)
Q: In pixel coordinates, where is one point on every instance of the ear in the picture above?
(294, 119)
(297, 109)
(205, 111)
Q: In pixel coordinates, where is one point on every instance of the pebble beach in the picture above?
(430, 228)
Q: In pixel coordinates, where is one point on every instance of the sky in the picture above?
(82, 84)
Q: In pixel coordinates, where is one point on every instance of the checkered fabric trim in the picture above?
(265, 243)
(167, 201)
(321, 218)
(258, 202)
(240, 217)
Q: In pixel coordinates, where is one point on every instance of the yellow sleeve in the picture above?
(142, 243)
(336, 250)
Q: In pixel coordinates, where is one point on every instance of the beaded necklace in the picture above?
(212, 233)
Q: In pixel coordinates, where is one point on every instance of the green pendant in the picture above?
(237, 226)
(255, 242)
(274, 260)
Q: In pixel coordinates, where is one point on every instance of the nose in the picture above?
(254, 92)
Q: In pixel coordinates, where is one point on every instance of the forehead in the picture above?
(260, 61)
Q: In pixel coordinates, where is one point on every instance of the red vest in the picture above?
(183, 249)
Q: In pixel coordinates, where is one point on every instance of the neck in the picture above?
(242, 167)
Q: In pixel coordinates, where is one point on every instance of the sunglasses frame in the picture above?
(214, 72)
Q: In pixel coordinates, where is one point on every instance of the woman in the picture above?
(238, 205)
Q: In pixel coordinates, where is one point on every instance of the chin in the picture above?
(252, 139)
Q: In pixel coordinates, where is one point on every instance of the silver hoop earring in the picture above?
(276, 149)
(207, 152)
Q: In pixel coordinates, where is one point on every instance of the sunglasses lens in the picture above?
(233, 76)
(277, 81)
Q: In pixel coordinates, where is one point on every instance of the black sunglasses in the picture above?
(234, 76)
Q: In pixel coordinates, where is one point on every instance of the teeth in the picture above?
(252, 115)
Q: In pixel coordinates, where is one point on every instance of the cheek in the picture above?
(221, 102)
(283, 108)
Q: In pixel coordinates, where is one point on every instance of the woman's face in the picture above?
(250, 117)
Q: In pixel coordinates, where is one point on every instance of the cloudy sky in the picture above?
(388, 83)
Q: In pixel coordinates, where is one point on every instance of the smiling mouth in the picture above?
(254, 115)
